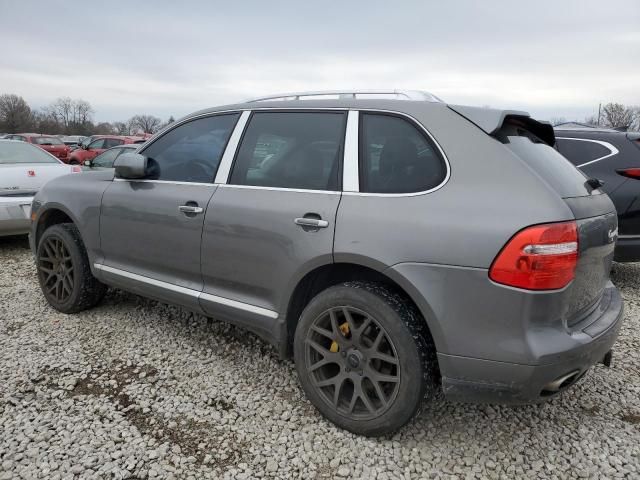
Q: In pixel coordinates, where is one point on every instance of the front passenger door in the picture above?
(150, 230)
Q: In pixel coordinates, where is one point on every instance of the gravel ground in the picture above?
(138, 389)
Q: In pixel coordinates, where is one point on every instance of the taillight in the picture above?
(76, 169)
(629, 172)
(541, 257)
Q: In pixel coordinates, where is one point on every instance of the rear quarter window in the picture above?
(397, 157)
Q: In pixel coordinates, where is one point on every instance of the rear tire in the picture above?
(63, 270)
(371, 376)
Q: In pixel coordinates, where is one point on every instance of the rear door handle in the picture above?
(311, 222)
(194, 209)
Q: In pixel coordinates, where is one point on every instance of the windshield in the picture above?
(18, 152)
(47, 141)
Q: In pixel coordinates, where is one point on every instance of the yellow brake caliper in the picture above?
(344, 328)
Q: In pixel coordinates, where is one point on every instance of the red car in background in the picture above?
(49, 143)
(95, 145)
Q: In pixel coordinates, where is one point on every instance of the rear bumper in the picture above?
(486, 381)
(627, 249)
(15, 215)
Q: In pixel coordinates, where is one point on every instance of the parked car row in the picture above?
(88, 148)
(394, 247)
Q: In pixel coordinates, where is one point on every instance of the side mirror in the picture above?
(87, 163)
(84, 147)
(131, 165)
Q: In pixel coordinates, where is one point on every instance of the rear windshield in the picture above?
(18, 152)
(47, 141)
(555, 169)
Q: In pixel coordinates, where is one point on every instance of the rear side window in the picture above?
(299, 150)
(396, 157)
(579, 151)
(192, 151)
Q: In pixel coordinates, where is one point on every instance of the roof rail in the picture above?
(399, 94)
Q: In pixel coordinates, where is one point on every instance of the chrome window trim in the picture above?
(250, 109)
(280, 189)
(416, 123)
(188, 291)
(612, 149)
(224, 168)
(350, 179)
(620, 237)
(171, 182)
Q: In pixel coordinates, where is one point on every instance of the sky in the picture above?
(552, 58)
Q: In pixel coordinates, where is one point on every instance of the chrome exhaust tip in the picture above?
(561, 383)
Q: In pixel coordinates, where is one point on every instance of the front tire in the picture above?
(364, 358)
(63, 270)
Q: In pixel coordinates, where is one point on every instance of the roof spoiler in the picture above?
(491, 121)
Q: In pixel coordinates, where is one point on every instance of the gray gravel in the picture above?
(138, 389)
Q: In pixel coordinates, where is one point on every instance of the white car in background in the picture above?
(23, 170)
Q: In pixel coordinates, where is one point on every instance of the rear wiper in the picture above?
(594, 183)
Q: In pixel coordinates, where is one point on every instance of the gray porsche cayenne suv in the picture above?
(395, 247)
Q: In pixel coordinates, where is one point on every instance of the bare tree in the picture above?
(146, 123)
(82, 112)
(121, 128)
(15, 114)
(73, 116)
(132, 127)
(618, 115)
(104, 128)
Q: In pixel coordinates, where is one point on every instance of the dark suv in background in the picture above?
(613, 157)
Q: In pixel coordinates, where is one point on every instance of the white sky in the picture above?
(553, 58)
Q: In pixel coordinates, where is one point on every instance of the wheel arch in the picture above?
(327, 275)
(49, 215)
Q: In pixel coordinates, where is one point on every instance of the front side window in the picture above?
(580, 152)
(396, 157)
(96, 145)
(106, 159)
(192, 151)
(298, 150)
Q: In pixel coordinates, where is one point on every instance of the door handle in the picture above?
(311, 222)
(193, 209)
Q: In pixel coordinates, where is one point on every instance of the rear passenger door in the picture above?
(275, 217)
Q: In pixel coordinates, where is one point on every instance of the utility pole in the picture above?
(599, 108)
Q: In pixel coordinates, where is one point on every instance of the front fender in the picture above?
(78, 197)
